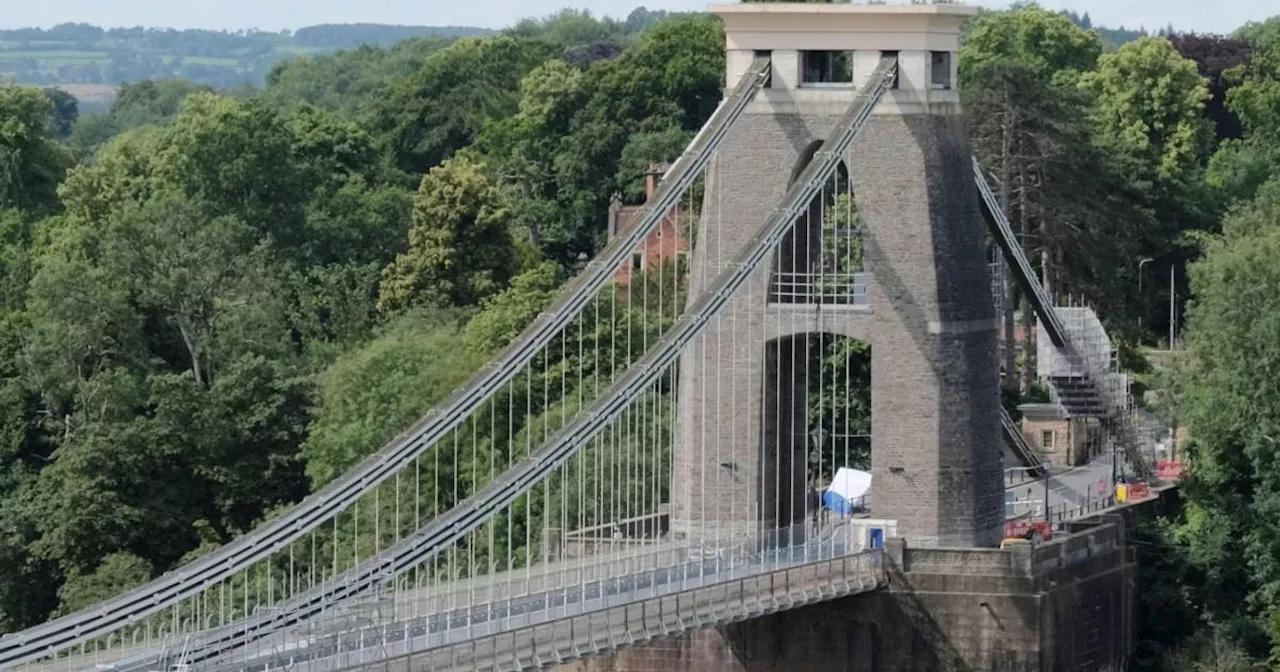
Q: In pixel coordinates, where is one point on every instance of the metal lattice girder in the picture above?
(321, 507)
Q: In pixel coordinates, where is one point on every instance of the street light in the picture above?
(1141, 263)
(1045, 467)
(1172, 293)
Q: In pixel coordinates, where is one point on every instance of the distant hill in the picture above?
(1112, 38)
(90, 62)
(86, 55)
(348, 35)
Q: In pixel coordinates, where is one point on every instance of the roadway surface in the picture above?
(1068, 488)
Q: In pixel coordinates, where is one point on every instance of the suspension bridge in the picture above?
(650, 457)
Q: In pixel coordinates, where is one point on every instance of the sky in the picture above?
(1218, 16)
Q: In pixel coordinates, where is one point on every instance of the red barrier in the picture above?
(1138, 491)
(1168, 470)
(1020, 528)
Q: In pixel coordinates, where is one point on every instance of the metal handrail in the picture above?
(858, 571)
(848, 288)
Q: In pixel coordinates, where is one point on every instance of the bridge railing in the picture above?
(603, 622)
(840, 289)
(483, 606)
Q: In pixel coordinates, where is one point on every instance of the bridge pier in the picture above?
(929, 315)
(1067, 606)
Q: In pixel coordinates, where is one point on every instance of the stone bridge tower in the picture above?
(927, 314)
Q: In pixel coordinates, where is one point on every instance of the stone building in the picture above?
(1065, 441)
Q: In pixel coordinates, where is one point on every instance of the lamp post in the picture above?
(1172, 293)
(1044, 467)
(1114, 467)
(1142, 262)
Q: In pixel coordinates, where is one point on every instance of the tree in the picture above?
(460, 246)
(373, 392)
(1016, 68)
(524, 149)
(1215, 57)
(350, 82)
(65, 112)
(188, 267)
(1046, 42)
(31, 163)
(506, 314)
(1264, 36)
(117, 573)
(355, 211)
(1245, 161)
(669, 81)
(1229, 406)
(1057, 191)
(1150, 111)
(443, 106)
(144, 103)
(237, 158)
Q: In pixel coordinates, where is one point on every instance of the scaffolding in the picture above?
(1090, 352)
(995, 265)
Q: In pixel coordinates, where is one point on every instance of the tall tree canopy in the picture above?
(460, 247)
(1150, 110)
(31, 162)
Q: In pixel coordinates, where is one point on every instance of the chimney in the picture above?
(653, 176)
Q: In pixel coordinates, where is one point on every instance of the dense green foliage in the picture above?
(1162, 150)
(211, 304)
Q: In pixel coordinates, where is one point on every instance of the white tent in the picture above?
(848, 490)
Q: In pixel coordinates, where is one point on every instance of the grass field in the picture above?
(298, 51)
(7, 54)
(91, 93)
(211, 60)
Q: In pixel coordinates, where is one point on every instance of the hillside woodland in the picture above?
(83, 57)
(213, 302)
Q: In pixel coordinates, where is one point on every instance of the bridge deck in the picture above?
(600, 622)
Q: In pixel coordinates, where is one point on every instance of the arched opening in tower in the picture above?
(817, 420)
(820, 258)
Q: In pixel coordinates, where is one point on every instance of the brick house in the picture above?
(1064, 441)
(667, 241)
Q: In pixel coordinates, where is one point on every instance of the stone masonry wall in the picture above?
(974, 610)
(935, 395)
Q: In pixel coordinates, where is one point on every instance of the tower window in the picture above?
(940, 69)
(768, 78)
(897, 74)
(828, 68)
(637, 260)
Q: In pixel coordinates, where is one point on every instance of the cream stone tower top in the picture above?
(822, 52)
